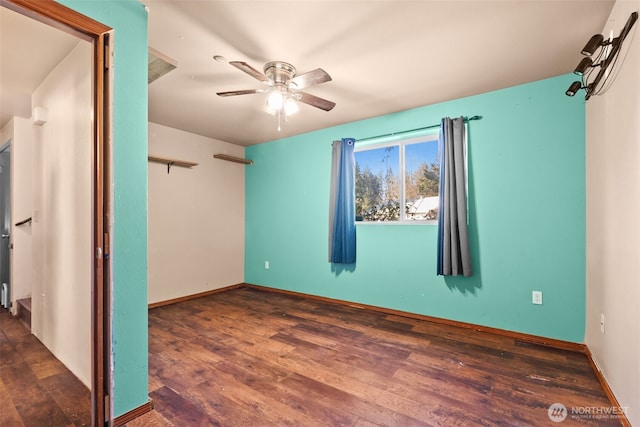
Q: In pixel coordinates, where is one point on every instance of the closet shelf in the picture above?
(172, 162)
(233, 159)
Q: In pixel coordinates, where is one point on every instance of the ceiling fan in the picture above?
(284, 86)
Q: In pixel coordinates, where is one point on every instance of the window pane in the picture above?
(378, 184)
(422, 180)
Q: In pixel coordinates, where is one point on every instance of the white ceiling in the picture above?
(383, 56)
(29, 50)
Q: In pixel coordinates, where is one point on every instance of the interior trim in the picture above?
(194, 296)
(58, 16)
(605, 386)
(532, 339)
(63, 18)
(133, 414)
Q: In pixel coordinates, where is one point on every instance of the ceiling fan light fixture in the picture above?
(290, 106)
(284, 88)
(275, 100)
(281, 100)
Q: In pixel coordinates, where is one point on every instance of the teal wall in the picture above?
(128, 18)
(527, 217)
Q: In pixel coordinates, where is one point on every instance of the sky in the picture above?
(415, 153)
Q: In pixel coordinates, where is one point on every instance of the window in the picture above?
(398, 174)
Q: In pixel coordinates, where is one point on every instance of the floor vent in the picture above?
(24, 311)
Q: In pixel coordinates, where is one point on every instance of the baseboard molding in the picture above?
(532, 339)
(605, 386)
(133, 414)
(194, 296)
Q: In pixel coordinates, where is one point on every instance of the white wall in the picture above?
(6, 133)
(196, 216)
(21, 209)
(62, 213)
(613, 220)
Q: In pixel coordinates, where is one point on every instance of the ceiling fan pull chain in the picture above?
(279, 119)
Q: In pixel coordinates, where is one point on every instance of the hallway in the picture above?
(35, 388)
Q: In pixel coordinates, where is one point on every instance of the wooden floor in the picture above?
(36, 389)
(252, 358)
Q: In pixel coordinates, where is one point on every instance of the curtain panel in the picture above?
(342, 205)
(454, 257)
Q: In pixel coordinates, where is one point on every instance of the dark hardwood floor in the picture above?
(246, 357)
(36, 389)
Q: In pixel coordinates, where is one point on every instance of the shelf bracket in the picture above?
(172, 162)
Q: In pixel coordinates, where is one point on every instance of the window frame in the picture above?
(432, 137)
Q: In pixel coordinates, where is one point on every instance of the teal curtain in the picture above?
(342, 204)
(454, 257)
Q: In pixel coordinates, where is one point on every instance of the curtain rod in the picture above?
(466, 120)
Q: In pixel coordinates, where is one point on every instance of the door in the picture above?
(5, 217)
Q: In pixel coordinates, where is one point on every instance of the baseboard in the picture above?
(605, 386)
(532, 339)
(133, 414)
(194, 296)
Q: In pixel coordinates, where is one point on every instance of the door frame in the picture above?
(70, 21)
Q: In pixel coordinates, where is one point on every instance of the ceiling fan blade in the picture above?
(314, 101)
(310, 78)
(243, 66)
(240, 92)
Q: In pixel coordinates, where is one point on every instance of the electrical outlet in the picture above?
(536, 297)
(602, 323)
(266, 265)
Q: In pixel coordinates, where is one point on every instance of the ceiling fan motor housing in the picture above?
(279, 72)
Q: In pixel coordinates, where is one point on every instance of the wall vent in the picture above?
(159, 64)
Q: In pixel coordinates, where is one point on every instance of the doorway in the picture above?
(51, 13)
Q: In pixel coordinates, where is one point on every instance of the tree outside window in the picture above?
(402, 174)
